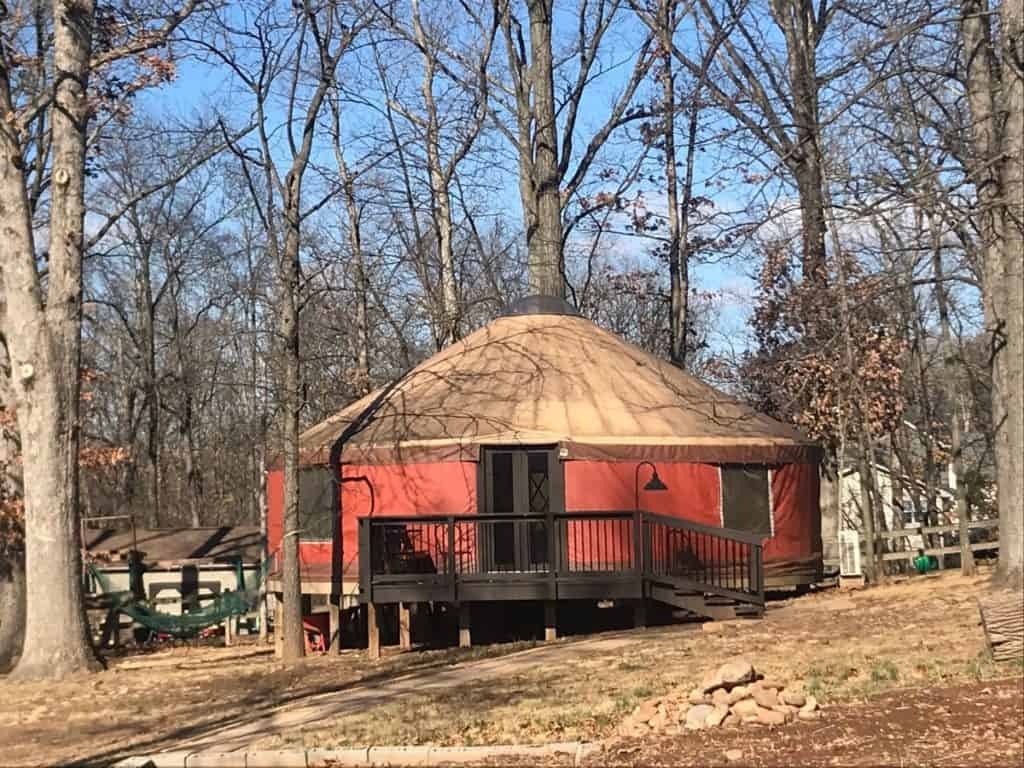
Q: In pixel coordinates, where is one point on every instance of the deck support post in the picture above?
(227, 631)
(640, 613)
(404, 627)
(465, 636)
(373, 630)
(550, 620)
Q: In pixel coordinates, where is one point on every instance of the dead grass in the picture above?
(847, 646)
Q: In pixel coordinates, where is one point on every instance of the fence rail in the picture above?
(565, 555)
(908, 553)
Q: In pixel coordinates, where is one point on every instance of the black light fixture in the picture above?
(654, 484)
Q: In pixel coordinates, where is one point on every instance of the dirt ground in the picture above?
(968, 724)
(900, 670)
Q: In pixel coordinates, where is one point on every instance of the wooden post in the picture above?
(550, 620)
(465, 636)
(373, 630)
(640, 613)
(227, 631)
(404, 627)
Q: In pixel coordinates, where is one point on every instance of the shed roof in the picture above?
(552, 379)
(172, 545)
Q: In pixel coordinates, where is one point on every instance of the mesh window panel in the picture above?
(746, 499)
(315, 502)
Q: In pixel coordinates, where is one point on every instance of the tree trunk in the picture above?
(147, 339)
(439, 192)
(999, 179)
(12, 610)
(949, 380)
(44, 346)
(544, 239)
(677, 289)
(796, 19)
(867, 514)
(1002, 618)
(264, 554)
(291, 403)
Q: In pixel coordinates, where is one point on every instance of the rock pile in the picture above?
(732, 695)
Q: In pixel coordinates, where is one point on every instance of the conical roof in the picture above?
(552, 379)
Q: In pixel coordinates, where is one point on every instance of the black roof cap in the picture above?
(541, 305)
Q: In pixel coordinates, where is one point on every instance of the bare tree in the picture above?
(41, 321)
(995, 92)
(284, 51)
(544, 124)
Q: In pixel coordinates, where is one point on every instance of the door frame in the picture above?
(521, 498)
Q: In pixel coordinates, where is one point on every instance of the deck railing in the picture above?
(602, 554)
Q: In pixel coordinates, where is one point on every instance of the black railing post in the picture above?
(450, 566)
(365, 559)
(638, 546)
(757, 572)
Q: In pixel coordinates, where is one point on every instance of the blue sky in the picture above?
(202, 90)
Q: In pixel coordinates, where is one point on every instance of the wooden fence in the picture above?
(895, 545)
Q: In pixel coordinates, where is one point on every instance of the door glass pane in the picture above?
(539, 494)
(539, 484)
(502, 484)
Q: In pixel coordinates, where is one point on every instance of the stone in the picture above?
(215, 760)
(400, 756)
(787, 710)
(733, 755)
(804, 714)
(718, 714)
(738, 693)
(810, 705)
(731, 721)
(713, 627)
(697, 716)
(697, 696)
(770, 717)
(285, 758)
(659, 721)
(736, 672)
(720, 698)
(765, 697)
(793, 697)
(645, 711)
(744, 708)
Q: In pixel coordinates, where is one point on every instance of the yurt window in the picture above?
(316, 499)
(746, 499)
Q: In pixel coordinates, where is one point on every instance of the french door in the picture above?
(525, 487)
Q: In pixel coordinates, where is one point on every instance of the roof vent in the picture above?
(541, 305)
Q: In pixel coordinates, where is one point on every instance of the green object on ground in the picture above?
(924, 563)
(223, 606)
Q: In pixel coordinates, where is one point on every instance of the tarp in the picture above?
(552, 379)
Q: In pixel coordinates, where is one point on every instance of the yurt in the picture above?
(542, 409)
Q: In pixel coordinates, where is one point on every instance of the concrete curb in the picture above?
(358, 756)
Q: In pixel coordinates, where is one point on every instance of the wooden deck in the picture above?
(561, 556)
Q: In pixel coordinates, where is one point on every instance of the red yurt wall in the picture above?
(406, 489)
(694, 493)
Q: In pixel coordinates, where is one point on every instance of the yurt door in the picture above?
(526, 484)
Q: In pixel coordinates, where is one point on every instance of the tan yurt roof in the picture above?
(535, 379)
